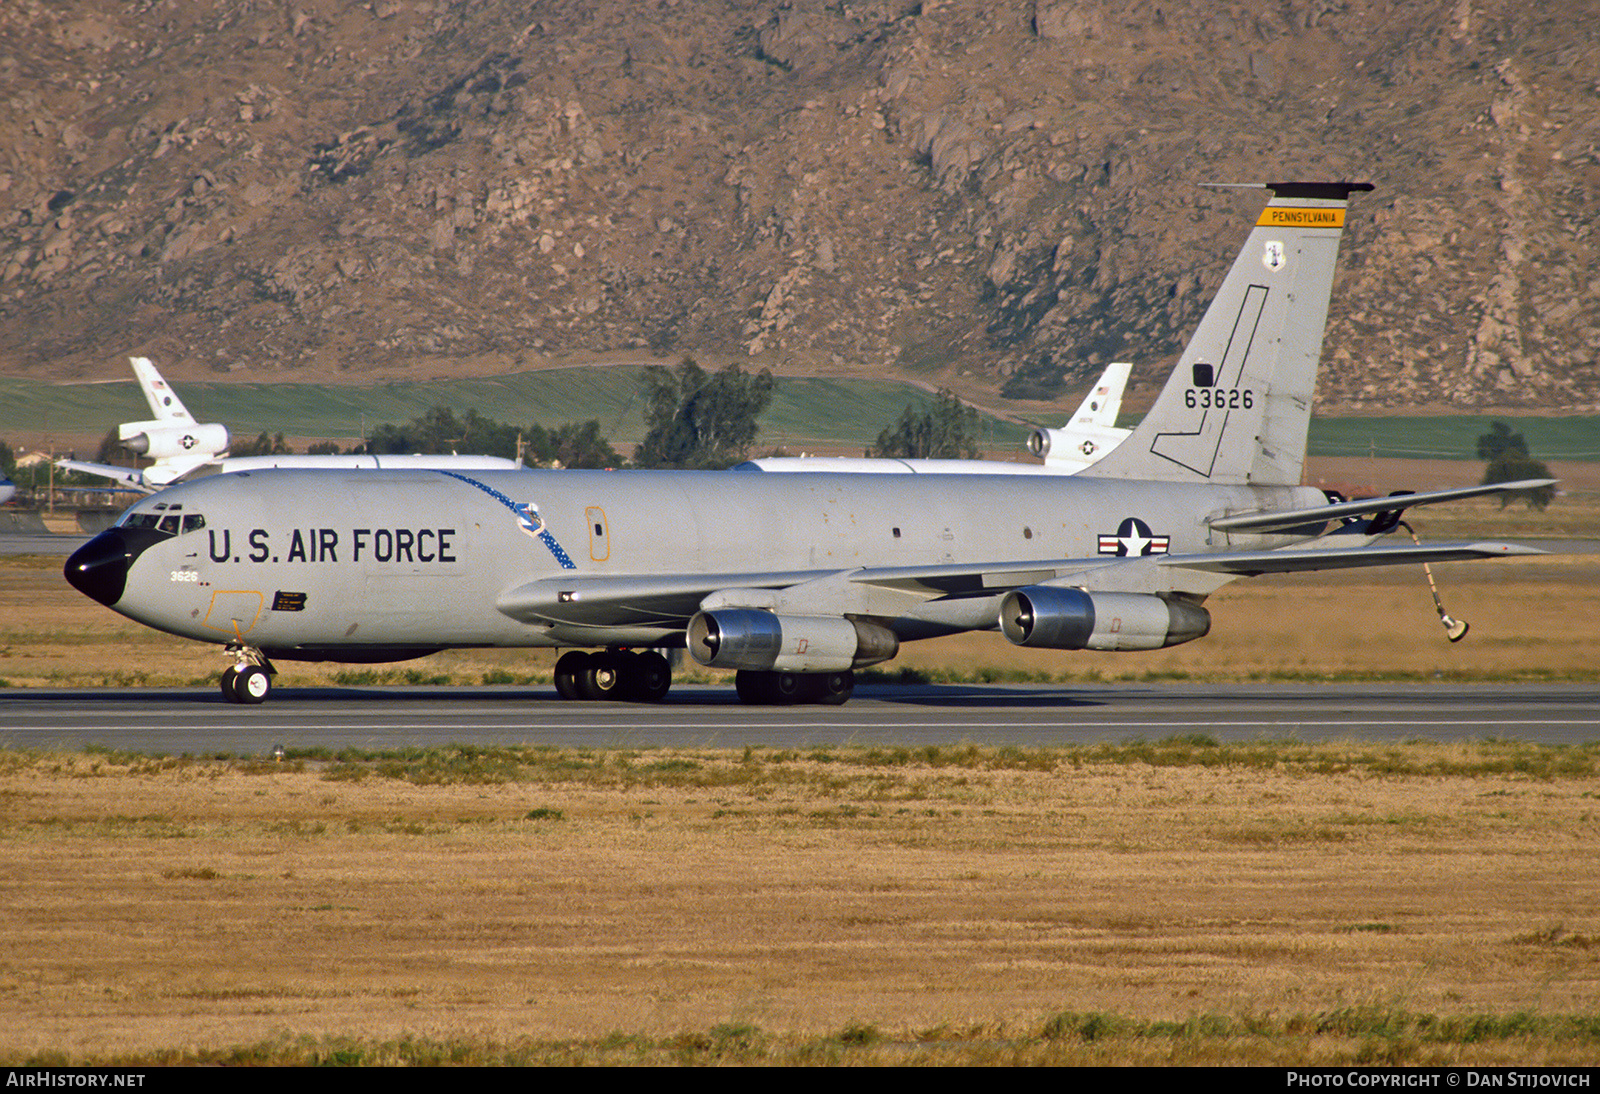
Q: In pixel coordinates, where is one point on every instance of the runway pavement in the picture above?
(39, 543)
(197, 721)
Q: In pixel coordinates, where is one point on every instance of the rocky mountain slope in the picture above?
(1001, 191)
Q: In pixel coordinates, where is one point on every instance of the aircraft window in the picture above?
(154, 521)
(193, 522)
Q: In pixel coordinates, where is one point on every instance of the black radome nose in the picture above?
(99, 569)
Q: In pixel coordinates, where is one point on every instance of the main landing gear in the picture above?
(249, 678)
(786, 688)
(644, 676)
(631, 675)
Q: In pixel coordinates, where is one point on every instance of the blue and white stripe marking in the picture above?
(528, 519)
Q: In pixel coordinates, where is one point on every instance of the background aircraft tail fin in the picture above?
(1099, 408)
(164, 402)
(1237, 407)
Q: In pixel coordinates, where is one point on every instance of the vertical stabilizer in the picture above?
(1237, 407)
(1100, 407)
(164, 402)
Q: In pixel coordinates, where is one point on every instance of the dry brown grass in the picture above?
(934, 905)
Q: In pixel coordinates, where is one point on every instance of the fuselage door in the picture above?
(599, 534)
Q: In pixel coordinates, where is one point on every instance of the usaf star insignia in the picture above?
(1133, 538)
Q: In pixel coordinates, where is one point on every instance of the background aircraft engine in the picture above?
(166, 441)
(746, 638)
(1071, 619)
(1041, 440)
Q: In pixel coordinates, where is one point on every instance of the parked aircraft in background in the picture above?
(182, 448)
(1093, 431)
(1089, 434)
(791, 580)
(8, 489)
(172, 439)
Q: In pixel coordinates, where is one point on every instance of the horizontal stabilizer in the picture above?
(1278, 519)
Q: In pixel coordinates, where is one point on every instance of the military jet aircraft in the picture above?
(173, 440)
(792, 580)
(1089, 434)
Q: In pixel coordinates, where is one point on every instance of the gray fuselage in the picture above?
(370, 564)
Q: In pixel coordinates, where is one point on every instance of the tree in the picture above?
(439, 432)
(1509, 461)
(947, 430)
(261, 446)
(1499, 441)
(111, 447)
(701, 419)
(571, 444)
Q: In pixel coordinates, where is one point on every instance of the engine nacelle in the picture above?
(161, 441)
(746, 638)
(1060, 618)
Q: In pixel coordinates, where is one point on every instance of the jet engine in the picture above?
(1060, 618)
(746, 638)
(1041, 440)
(164, 440)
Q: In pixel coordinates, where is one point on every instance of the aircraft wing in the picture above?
(633, 600)
(978, 580)
(1296, 560)
(1278, 520)
(125, 476)
(668, 600)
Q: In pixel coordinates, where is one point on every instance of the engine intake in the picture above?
(1060, 618)
(745, 638)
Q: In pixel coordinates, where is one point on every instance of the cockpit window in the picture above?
(141, 520)
(172, 524)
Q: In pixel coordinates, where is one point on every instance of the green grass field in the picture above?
(806, 411)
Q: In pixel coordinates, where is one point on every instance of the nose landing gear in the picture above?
(249, 679)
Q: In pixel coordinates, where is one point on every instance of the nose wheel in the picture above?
(249, 680)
